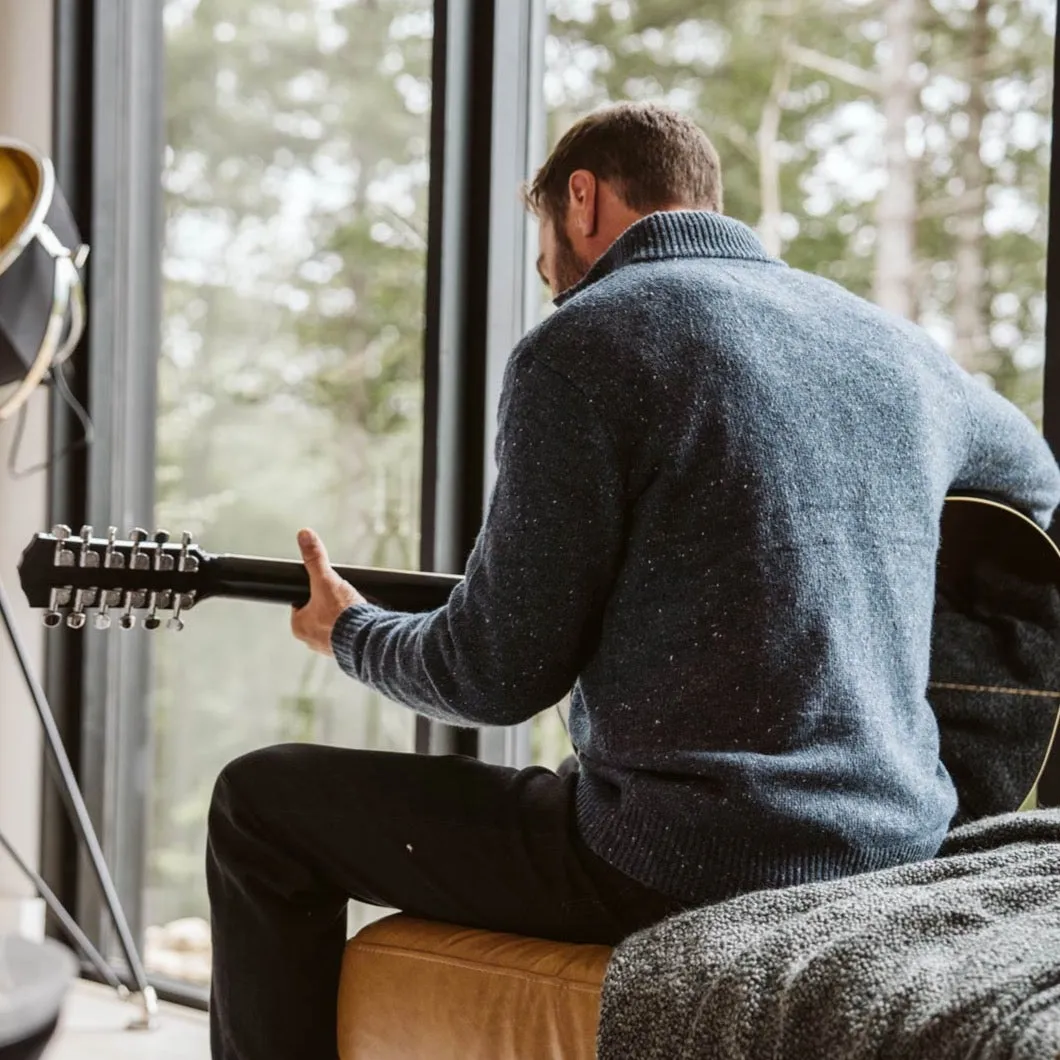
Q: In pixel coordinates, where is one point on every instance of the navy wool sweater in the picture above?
(716, 520)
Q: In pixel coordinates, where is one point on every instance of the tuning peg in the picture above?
(76, 618)
(63, 557)
(152, 621)
(176, 623)
(185, 544)
(108, 555)
(103, 619)
(138, 559)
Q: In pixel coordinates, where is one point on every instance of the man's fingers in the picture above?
(314, 554)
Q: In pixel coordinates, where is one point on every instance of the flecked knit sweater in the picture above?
(716, 520)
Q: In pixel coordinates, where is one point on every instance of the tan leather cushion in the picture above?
(416, 990)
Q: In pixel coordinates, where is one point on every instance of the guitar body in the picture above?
(995, 656)
(995, 651)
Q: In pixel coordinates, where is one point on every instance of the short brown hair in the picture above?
(655, 157)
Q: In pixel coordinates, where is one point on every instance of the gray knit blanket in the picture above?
(954, 957)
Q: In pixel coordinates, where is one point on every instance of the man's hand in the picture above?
(329, 596)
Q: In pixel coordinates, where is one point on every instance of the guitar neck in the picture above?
(286, 581)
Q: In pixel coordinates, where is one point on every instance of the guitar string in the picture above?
(950, 686)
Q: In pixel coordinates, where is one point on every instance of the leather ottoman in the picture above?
(418, 990)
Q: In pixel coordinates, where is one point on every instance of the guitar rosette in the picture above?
(42, 256)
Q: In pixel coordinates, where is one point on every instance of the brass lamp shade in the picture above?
(42, 301)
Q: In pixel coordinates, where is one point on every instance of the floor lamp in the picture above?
(42, 318)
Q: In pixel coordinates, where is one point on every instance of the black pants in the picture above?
(296, 830)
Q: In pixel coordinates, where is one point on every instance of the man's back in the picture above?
(716, 516)
(760, 673)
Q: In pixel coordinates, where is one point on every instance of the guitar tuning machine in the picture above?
(103, 615)
(162, 562)
(137, 561)
(63, 557)
(184, 563)
(114, 605)
(86, 557)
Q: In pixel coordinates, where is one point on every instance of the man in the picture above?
(716, 518)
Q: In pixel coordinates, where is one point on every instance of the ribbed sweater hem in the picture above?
(700, 863)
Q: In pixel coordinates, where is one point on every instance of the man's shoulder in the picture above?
(666, 294)
(575, 341)
(609, 325)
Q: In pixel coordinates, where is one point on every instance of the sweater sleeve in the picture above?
(518, 628)
(1007, 457)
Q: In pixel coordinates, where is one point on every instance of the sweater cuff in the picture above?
(347, 639)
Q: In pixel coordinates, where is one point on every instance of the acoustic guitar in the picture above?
(995, 652)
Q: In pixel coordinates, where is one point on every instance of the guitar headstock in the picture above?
(72, 576)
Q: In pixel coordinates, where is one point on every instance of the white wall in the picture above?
(25, 113)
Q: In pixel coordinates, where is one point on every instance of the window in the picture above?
(324, 361)
(290, 380)
(901, 149)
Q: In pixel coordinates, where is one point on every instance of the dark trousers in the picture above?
(296, 830)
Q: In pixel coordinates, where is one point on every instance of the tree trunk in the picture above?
(971, 347)
(768, 163)
(896, 206)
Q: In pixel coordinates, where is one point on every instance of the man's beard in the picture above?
(570, 266)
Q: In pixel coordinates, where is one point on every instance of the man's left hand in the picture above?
(329, 596)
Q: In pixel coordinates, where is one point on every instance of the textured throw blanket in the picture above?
(954, 957)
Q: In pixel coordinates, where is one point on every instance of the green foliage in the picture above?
(718, 60)
(290, 384)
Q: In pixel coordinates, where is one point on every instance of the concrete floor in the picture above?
(93, 1026)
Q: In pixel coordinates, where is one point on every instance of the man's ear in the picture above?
(581, 213)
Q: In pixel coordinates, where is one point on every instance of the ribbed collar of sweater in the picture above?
(674, 234)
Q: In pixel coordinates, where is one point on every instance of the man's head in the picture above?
(610, 169)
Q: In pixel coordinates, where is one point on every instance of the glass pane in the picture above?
(290, 388)
(549, 742)
(899, 149)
